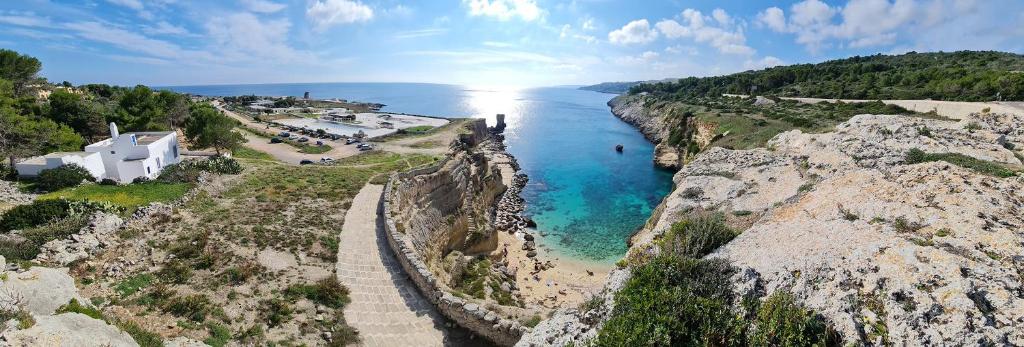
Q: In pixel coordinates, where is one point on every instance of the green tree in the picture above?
(140, 109)
(18, 68)
(207, 128)
(22, 136)
(176, 108)
(71, 109)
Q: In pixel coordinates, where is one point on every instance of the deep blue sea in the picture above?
(585, 197)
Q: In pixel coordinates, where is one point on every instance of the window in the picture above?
(158, 164)
(175, 151)
(112, 152)
(147, 170)
(135, 141)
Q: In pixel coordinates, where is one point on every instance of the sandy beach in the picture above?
(560, 283)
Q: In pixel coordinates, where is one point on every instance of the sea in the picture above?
(586, 197)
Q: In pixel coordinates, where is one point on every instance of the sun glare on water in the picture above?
(488, 101)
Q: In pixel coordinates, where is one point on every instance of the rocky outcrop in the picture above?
(69, 329)
(438, 217)
(94, 237)
(11, 195)
(633, 109)
(888, 252)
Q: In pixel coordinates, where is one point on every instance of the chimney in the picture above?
(113, 131)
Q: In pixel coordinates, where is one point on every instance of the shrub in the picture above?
(239, 274)
(63, 177)
(193, 307)
(275, 311)
(37, 213)
(190, 170)
(327, 291)
(781, 322)
(34, 238)
(140, 179)
(674, 301)
(219, 335)
(916, 156)
(108, 182)
(175, 272)
(133, 284)
(76, 307)
(697, 236)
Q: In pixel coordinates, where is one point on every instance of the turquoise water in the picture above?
(585, 197)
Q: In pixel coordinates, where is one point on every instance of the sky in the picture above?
(479, 42)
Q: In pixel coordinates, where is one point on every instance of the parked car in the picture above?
(304, 139)
(326, 160)
(305, 162)
(351, 141)
(284, 134)
(364, 145)
(367, 148)
(276, 140)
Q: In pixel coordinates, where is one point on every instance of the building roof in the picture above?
(41, 159)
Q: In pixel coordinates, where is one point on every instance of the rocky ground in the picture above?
(887, 251)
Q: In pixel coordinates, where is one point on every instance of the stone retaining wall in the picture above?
(469, 315)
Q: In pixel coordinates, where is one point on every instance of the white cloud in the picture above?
(243, 35)
(649, 55)
(726, 36)
(326, 13)
(762, 63)
(165, 28)
(644, 58)
(567, 32)
(588, 24)
(679, 49)
(135, 42)
(26, 19)
(409, 34)
(504, 10)
(263, 6)
(773, 18)
(638, 31)
(867, 23)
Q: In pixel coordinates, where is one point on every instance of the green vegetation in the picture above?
(243, 152)
(418, 129)
(314, 149)
(916, 156)
(133, 284)
(129, 196)
(208, 128)
(63, 177)
(37, 213)
(194, 307)
(960, 76)
(327, 291)
(219, 335)
(677, 298)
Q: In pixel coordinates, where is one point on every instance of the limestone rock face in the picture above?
(69, 330)
(39, 290)
(666, 157)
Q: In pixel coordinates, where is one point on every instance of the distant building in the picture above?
(305, 95)
(121, 158)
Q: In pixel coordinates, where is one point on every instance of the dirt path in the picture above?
(386, 307)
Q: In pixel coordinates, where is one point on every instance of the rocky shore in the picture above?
(887, 250)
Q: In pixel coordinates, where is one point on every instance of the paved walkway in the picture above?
(386, 307)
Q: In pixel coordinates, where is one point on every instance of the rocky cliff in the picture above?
(667, 125)
(889, 251)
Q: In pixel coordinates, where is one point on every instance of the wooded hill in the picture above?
(956, 76)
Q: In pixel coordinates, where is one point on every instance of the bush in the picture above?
(108, 182)
(190, 170)
(696, 237)
(672, 301)
(275, 312)
(140, 179)
(916, 156)
(193, 307)
(37, 213)
(63, 177)
(327, 291)
(781, 322)
(76, 307)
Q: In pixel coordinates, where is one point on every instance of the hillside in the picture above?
(958, 76)
(611, 87)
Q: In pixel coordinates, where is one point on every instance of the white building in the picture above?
(122, 158)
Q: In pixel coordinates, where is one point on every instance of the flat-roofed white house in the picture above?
(122, 157)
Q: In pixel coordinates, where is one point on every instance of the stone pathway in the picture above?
(386, 307)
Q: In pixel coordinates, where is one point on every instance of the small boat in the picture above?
(618, 148)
